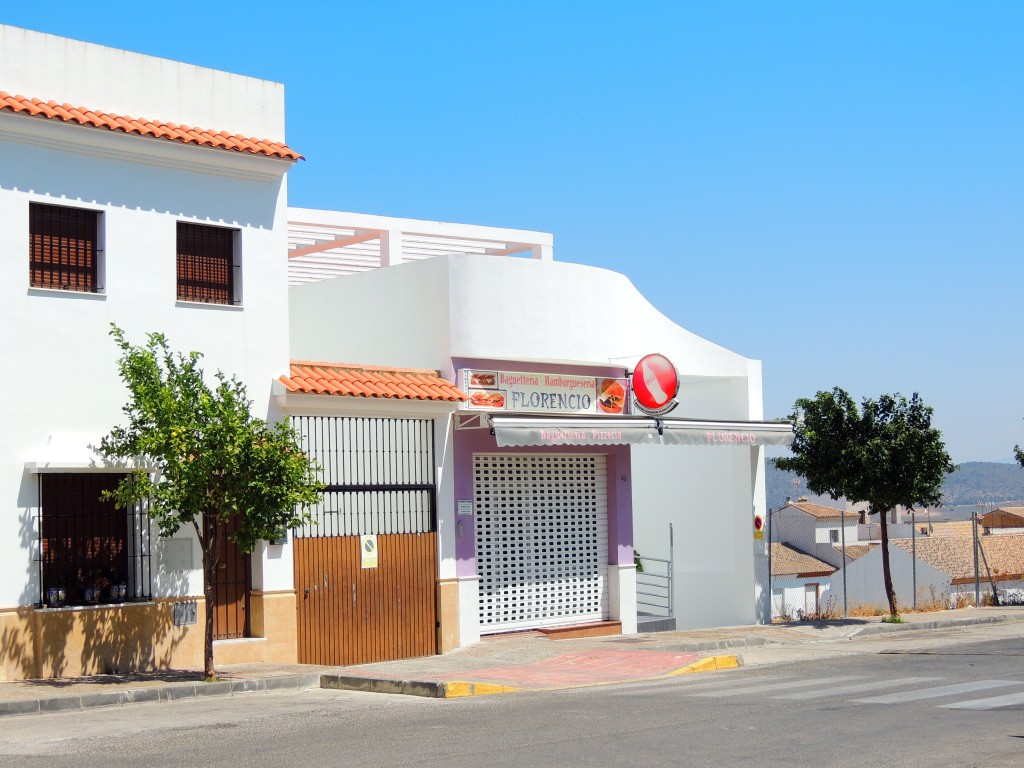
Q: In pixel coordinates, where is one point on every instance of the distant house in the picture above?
(816, 529)
(1003, 520)
(798, 580)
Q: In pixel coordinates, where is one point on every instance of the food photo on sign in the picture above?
(611, 396)
(487, 399)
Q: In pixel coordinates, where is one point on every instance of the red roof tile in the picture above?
(370, 381)
(145, 127)
(820, 511)
(787, 560)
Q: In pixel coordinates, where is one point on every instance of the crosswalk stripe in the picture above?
(934, 693)
(990, 703)
(776, 686)
(839, 690)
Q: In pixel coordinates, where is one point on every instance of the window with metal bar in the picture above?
(207, 264)
(378, 475)
(90, 551)
(63, 249)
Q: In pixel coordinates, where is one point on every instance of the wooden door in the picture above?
(232, 586)
(348, 614)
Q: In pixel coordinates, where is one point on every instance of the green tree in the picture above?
(207, 459)
(1019, 455)
(884, 452)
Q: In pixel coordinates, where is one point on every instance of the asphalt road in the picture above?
(955, 700)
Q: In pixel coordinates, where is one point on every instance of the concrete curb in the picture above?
(883, 628)
(161, 693)
(432, 689)
(709, 664)
(704, 646)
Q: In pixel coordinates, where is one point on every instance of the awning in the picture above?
(517, 430)
(513, 430)
(692, 432)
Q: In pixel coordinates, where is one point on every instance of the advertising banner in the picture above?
(545, 392)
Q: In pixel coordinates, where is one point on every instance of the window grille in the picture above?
(63, 250)
(378, 475)
(206, 264)
(87, 544)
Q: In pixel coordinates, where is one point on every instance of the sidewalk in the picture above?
(499, 664)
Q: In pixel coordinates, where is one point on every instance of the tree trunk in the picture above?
(209, 572)
(210, 548)
(890, 593)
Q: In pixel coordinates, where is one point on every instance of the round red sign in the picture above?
(655, 384)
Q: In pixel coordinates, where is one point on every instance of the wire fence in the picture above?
(827, 565)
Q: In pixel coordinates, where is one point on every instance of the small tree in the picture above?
(1019, 455)
(885, 453)
(210, 460)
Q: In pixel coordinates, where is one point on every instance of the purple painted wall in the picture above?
(620, 507)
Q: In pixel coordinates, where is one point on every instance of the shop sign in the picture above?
(655, 385)
(545, 392)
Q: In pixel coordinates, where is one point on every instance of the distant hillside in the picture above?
(975, 482)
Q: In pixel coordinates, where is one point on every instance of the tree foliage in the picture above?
(885, 452)
(204, 458)
(1019, 455)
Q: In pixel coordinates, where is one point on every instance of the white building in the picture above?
(816, 529)
(474, 410)
(798, 583)
(154, 227)
(542, 499)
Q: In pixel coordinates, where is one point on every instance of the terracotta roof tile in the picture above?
(947, 528)
(855, 551)
(370, 381)
(145, 127)
(787, 560)
(954, 556)
(820, 511)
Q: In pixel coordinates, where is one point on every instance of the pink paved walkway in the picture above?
(574, 668)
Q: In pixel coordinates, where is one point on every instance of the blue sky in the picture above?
(837, 192)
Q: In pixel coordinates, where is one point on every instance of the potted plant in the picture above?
(94, 586)
(56, 596)
(117, 590)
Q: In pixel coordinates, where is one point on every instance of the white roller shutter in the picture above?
(541, 540)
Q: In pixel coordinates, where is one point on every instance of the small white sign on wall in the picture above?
(368, 551)
(465, 508)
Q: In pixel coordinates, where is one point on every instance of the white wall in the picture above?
(705, 492)
(60, 364)
(789, 596)
(499, 309)
(866, 586)
(52, 68)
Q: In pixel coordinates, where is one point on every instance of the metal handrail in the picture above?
(655, 590)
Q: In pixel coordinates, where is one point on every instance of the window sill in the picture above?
(73, 608)
(68, 294)
(185, 304)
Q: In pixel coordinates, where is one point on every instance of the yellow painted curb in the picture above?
(708, 664)
(455, 690)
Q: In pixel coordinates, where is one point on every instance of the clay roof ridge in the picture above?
(141, 126)
(433, 373)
